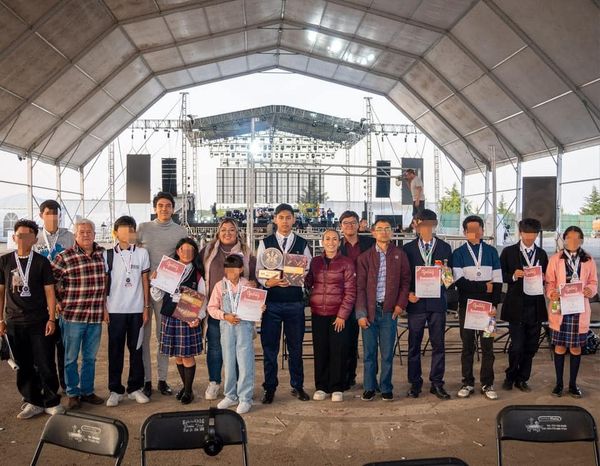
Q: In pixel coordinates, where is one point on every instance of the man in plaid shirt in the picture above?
(81, 275)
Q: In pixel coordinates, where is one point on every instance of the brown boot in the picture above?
(92, 399)
(73, 402)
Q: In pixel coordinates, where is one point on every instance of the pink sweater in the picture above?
(215, 305)
(556, 276)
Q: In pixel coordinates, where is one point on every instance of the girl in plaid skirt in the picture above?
(570, 265)
(179, 339)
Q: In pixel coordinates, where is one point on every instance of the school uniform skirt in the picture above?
(178, 339)
(569, 335)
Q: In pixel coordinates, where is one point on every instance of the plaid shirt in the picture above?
(381, 275)
(83, 280)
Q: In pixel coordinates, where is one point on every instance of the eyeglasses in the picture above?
(383, 230)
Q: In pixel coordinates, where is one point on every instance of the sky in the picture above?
(277, 87)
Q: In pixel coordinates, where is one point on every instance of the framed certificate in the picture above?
(571, 298)
(294, 268)
(189, 307)
(168, 275)
(533, 280)
(428, 282)
(478, 316)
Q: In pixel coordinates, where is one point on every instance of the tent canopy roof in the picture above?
(520, 75)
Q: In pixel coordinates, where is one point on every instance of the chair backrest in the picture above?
(94, 435)
(188, 430)
(449, 461)
(545, 424)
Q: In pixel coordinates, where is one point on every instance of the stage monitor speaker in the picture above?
(382, 186)
(169, 176)
(539, 200)
(417, 165)
(138, 179)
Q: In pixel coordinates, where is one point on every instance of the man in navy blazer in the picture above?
(427, 250)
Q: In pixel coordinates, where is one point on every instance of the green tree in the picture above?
(450, 202)
(503, 207)
(312, 197)
(592, 203)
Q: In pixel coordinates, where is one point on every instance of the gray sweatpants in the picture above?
(162, 360)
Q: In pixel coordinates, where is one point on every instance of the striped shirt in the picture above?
(381, 275)
(83, 282)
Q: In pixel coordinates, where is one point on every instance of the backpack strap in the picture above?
(110, 256)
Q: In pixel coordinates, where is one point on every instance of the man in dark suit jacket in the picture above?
(352, 246)
(427, 250)
(523, 312)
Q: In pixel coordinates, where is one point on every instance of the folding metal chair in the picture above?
(422, 462)
(94, 435)
(546, 424)
(209, 429)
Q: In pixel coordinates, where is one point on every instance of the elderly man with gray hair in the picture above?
(81, 275)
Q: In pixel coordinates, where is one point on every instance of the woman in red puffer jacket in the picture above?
(331, 281)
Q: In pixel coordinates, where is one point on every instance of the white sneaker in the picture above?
(243, 407)
(58, 409)
(212, 391)
(28, 411)
(337, 396)
(319, 395)
(465, 391)
(489, 392)
(114, 399)
(138, 396)
(226, 403)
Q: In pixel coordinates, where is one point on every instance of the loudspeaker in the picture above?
(169, 176)
(382, 186)
(417, 165)
(539, 200)
(138, 179)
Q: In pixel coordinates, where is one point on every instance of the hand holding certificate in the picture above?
(427, 282)
(168, 275)
(533, 283)
(250, 306)
(571, 298)
(477, 315)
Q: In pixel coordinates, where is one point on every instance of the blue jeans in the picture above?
(214, 357)
(238, 358)
(381, 335)
(84, 337)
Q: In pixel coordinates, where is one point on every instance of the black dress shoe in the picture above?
(268, 397)
(413, 391)
(523, 386)
(507, 384)
(575, 392)
(558, 389)
(440, 392)
(300, 394)
(163, 388)
(180, 394)
(187, 398)
(147, 390)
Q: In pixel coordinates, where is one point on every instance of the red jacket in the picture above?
(332, 287)
(397, 281)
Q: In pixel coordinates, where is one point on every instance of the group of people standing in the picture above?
(56, 289)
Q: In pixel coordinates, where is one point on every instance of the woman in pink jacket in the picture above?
(569, 265)
(331, 281)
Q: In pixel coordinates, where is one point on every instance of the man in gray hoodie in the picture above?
(159, 237)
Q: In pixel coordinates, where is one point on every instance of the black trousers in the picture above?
(436, 325)
(353, 331)
(121, 329)
(486, 373)
(524, 338)
(59, 349)
(37, 380)
(331, 354)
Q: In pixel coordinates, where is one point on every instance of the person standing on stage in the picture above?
(352, 245)
(285, 306)
(159, 237)
(524, 309)
(415, 185)
(429, 251)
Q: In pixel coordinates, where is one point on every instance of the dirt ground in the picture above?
(291, 432)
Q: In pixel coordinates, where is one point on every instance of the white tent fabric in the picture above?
(520, 75)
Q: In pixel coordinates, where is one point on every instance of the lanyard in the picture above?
(127, 267)
(50, 249)
(531, 262)
(574, 266)
(233, 300)
(427, 256)
(477, 260)
(24, 276)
